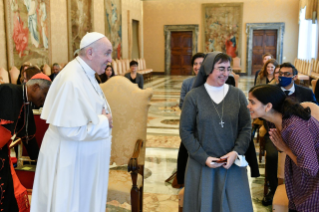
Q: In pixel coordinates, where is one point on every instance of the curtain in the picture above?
(308, 37)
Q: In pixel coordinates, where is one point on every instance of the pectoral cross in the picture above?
(222, 123)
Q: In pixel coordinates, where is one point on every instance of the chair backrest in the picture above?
(236, 77)
(14, 74)
(124, 67)
(313, 107)
(129, 105)
(4, 75)
(236, 62)
(47, 69)
(119, 67)
(114, 66)
(313, 84)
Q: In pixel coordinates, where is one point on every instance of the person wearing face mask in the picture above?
(287, 76)
(266, 75)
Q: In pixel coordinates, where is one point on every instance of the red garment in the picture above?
(20, 192)
(230, 48)
(20, 35)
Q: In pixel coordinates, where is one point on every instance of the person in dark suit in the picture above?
(56, 69)
(266, 57)
(287, 76)
(133, 76)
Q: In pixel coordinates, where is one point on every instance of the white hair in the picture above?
(41, 82)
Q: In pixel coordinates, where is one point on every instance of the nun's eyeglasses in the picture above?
(223, 69)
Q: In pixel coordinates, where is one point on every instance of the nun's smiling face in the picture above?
(219, 74)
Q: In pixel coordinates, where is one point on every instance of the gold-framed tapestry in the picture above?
(222, 28)
(28, 32)
(80, 21)
(113, 26)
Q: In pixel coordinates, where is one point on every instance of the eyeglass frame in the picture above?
(223, 69)
(285, 74)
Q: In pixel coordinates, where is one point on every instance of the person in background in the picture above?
(109, 72)
(187, 85)
(266, 57)
(17, 122)
(295, 133)
(276, 76)
(55, 69)
(266, 75)
(215, 128)
(21, 76)
(287, 76)
(133, 76)
(29, 73)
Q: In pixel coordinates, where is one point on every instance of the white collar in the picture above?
(291, 90)
(214, 88)
(88, 70)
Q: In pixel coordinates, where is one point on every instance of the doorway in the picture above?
(135, 39)
(251, 27)
(264, 41)
(181, 53)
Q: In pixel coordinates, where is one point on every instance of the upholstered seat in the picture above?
(47, 69)
(129, 105)
(14, 74)
(4, 75)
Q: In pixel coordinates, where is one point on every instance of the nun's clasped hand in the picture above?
(277, 140)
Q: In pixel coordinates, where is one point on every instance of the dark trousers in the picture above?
(181, 163)
(271, 163)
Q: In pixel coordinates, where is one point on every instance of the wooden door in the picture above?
(181, 53)
(264, 41)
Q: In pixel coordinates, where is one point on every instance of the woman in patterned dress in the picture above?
(296, 134)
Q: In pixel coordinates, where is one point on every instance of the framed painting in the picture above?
(113, 26)
(80, 21)
(222, 28)
(28, 32)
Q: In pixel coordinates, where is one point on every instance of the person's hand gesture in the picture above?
(231, 157)
(277, 140)
(109, 117)
(209, 161)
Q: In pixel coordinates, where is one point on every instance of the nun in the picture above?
(215, 128)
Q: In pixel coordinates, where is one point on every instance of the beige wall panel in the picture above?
(177, 12)
(98, 16)
(3, 43)
(59, 31)
(136, 12)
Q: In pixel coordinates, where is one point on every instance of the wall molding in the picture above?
(174, 28)
(250, 27)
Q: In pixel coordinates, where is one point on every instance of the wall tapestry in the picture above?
(222, 28)
(80, 21)
(113, 26)
(28, 32)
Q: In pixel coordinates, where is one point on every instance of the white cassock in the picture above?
(73, 165)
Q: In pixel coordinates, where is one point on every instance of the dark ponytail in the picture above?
(291, 107)
(280, 103)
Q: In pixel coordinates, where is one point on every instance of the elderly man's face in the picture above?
(102, 55)
(56, 69)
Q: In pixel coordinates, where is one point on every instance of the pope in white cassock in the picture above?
(73, 165)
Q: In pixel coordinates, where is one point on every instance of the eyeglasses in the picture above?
(223, 69)
(277, 72)
(285, 74)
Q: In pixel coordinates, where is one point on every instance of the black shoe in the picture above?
(267, 200)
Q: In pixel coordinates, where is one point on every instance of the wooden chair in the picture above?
(129, 106)
(14, 75)
(280, 200)
(4, 75)
(313, 84)
(114, 66)
(236, 65)
(181, 200)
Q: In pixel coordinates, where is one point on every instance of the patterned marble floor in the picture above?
(162, 148)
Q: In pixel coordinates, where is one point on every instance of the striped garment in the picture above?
(302, 180)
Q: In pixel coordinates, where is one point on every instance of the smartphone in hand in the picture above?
(219, 161)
